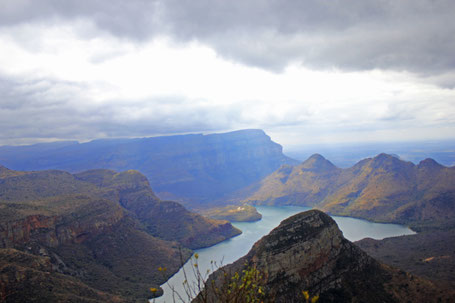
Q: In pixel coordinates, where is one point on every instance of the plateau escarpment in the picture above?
(195, 169)
(383, 188)
(104, 232)
(307, 252)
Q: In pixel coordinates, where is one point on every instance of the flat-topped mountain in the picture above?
(197, 168)
(308, 253)
(382, 188)
(94, 236)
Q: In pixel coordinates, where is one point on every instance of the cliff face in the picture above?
(166, 220)
(104, 230)
(192, 168)
(25, 277)
(307, 252)
(382, 188)
(56, 230)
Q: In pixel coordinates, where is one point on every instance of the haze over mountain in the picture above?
(98, 235)
(192, 168)
(383, 188)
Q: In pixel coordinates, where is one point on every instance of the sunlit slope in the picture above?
(382, 188)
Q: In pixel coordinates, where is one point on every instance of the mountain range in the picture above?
(383, 188)
(194, 169)
(95, 236)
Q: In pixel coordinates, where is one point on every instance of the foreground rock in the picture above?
(308, 252)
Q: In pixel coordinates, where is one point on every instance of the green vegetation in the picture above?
(238, 287)
(234, 213)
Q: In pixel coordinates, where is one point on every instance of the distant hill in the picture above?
(96, 236)
(190, 168)
(308, 253)
(383, 188)
(345, 155)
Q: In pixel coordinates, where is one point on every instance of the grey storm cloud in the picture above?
(40, 110)
(405, 35)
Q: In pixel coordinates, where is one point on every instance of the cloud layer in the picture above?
(327, 69)
(400, 35)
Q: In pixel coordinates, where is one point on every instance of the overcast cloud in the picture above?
(304, 71)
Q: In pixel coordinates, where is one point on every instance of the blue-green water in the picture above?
(230, 250)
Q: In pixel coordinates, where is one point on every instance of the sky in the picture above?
(312, 71)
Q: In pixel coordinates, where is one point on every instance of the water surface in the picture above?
(230, 250)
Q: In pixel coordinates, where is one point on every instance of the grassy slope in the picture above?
(383, 188)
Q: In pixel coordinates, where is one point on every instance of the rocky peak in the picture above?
(429, 164)
(307, 252)
(382, 158)
(317, 163)
(388, 163)
(296, 229)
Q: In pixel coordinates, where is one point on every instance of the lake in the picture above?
(230, 250)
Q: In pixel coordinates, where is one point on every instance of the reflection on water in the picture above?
(230, 250)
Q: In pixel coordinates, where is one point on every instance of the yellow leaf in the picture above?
(306, 295)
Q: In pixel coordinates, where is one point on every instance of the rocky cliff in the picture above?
(191, 168)
(307, 252)
(101, 230)
(383, 188)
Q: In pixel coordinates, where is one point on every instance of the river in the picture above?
(230, 250)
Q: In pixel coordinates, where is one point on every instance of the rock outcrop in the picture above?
(307, 252)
